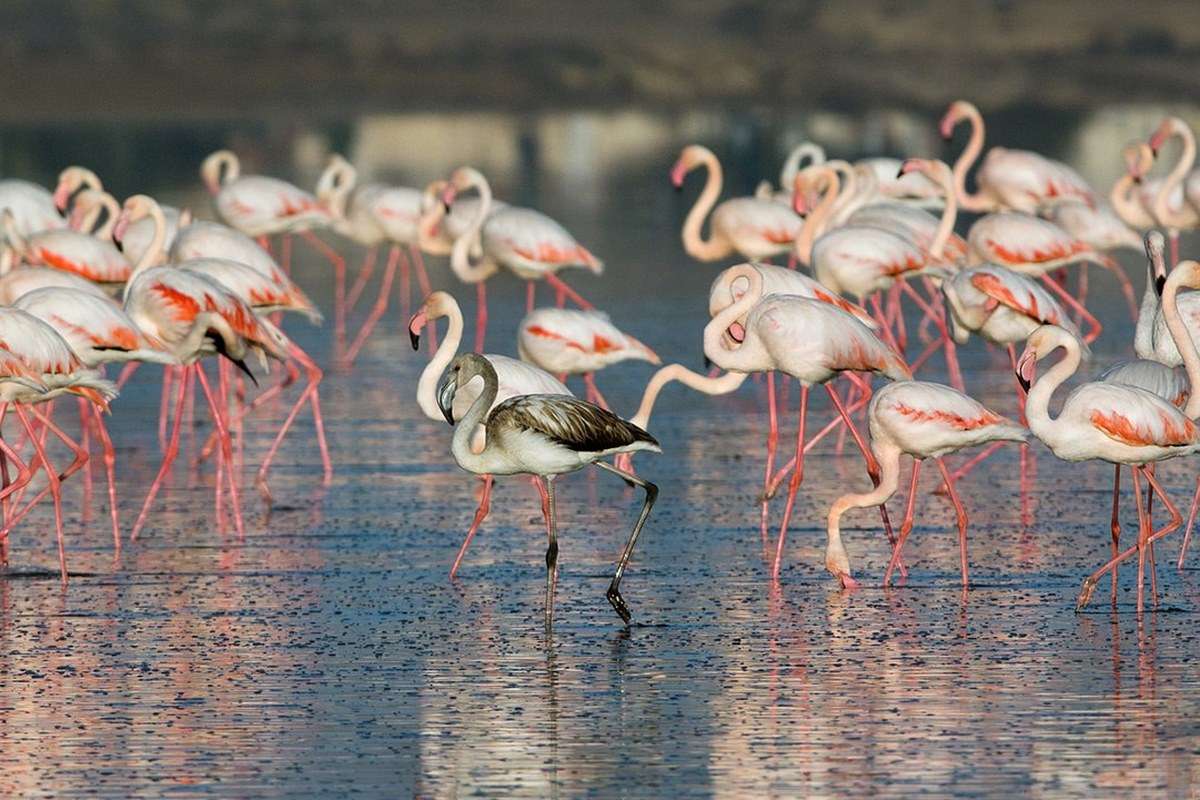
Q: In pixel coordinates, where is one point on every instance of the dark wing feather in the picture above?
(568, 421)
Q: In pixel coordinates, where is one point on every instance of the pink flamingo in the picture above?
(195, 316)
(800, 155)
(100, 333)
(31, 206)
(754, 228)
(1127, 196)
(914, 190)
(83, 254)
(1110, 422)
(922, 420)
(525, 241)
(809, 340)
(71, 180)
(515, 378)
(1176, 205)
(565, 341)
(56, 369)
(1019, 180)
(24, 280)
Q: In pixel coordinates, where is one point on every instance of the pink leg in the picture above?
(1143, 536)
(339, 268)
(55, 491)
(110, 460)
(127, 373)
(772, 441)
(961, 514)
(360, 281)
(529, 296)
(571, 294)
(163, 407)
(377, 311)
(881, 318)
(956, 378)
(793, 485)
(311, 394)
(898, 315)
(872, 464)
(589, 380)
(226, 450)
(481, 314)
(1115, 526)
(905, 526)
(85, 437)
(1092, 322)
(422, 275)
(172, 450)
(485, 506)
(1191, 521)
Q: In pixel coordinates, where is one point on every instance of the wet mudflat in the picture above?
(329, 654)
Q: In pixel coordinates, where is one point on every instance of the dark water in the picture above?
(328, 653)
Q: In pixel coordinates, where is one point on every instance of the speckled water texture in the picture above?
(329, 654)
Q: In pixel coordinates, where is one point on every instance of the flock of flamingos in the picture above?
(88, 282)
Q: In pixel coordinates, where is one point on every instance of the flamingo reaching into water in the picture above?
(566, 341)
(514, 378)
(525, 241)
(545, 435)
(1019, 180)
(1110, 422)
(809, 340)
(922, 420)
(754, 228)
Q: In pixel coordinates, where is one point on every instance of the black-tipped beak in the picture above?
(1137, 179)
(900, 173)
(242, 366)
(446, 398)
(1159, 282)
(1025, 384)
(415, 338)
(445, 206)
(117, 243)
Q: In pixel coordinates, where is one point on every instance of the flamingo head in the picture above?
(71, 180)
(689, 158)
(1156, 246)
(437, 304)
(1041, 343)
(135, 208)
(1138, 160)
(800, 202)
(957, 110)
(219, 168)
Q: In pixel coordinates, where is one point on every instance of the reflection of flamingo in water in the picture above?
(754, 228)
(514, 378)
(566, 341)
(525, 241)
(923, 420)
(809, 340)
(545, 435)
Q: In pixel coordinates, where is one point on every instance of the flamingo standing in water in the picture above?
(566, 341)
(809, 340)
(100, 333)
(545, 435)
(50, 368)
(97, 260)
(525, 241)
(1110, 422)
(195, 316)
(514, 378)
(1019, 180)
(922, 420)
(754, 228)
(1176, 204)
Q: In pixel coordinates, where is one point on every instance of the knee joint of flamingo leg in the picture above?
(552, 555)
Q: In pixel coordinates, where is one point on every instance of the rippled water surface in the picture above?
(328, 653)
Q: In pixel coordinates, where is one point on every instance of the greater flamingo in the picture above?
(1176, 205)
(922, 420)
(31, 206)
(566, 341)
(805, 152)
(544, 435)
(514, 378)
(754, 228)
(97, 260)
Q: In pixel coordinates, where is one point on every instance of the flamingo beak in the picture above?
(445, 398)
(1159, 282)
(415, 326)
(119, 231)
(678, 172)
(946, 127)
(1157, 139)
(1025, 368)
(61, 195)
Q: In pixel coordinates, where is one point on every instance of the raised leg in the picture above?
(905, 526)
(226, 451)
(172, 449)
(614, 588)
(1191, 521)
(793, 485)
(312, 395)
(55, 490)
(1086, 315)
(377, 310)
(571, 294)
(485, 507)
(364, 275)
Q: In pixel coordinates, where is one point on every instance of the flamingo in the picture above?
(71, 251)
(1110, 422)
(71, 180)
(545, 435)
(1126, 195)
(195, 316)
(526, 241)
(262, 206)
(1036, 247)
(55, 369)
(809, 340)
(514, 378)
(1170, 209)
(99, 333)
(754, 228)
(31, 206)
(87, 208)
(566, 341)
(21, 281)
(910, 189)
(1019, 180)
(922, 420)
(809, 152)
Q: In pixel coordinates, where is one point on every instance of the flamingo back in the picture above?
(929, 419)
(80, 254)
(780, 280)
(1016, 239)
(572, 341)
(531, 244)
(32, 207)
(860, 260)
(1026, 181)
(757, 228)
(262, 292)
(25, 280)
(1123, 424)
(259, 205)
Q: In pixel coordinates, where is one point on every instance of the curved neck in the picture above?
(978, 201)
(714, 331)
(335, 185)
(714, 246)
(888, 456)
(1183, 166)
(464, 429)
(1143, 332)
(427, 384)
(112, 210)
(154, 253)
(1124, 201)
(1037, 404)
(693, 380)
(460, 257)
(1181, 336)
(945, 227)
(847, 199)
(816, 218)
(787, 174)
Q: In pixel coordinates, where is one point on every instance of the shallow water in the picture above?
(328, 653)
